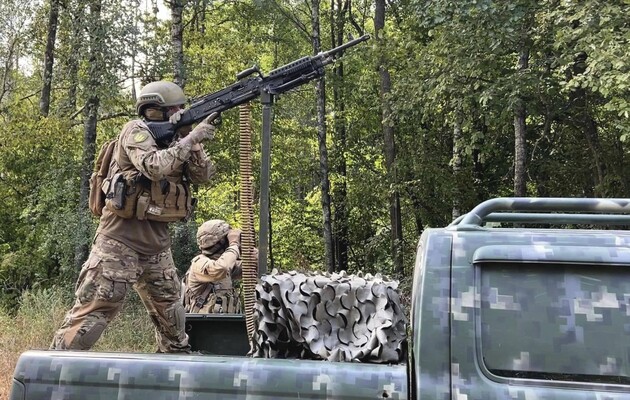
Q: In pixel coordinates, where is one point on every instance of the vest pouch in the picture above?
(226, 302)
(96, 201)
(169, 202)
(209, 306)
(119, 192)
(120, 197)
(106, 185)
(222, 301)
(143, 205)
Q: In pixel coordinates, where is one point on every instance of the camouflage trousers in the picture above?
(110, 271)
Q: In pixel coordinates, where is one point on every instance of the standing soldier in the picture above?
(148, 186)
(208, 281)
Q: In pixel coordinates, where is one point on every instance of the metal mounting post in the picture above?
(265, 165)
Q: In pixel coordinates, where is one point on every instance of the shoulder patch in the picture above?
(140, 137)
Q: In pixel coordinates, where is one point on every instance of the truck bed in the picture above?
(54, 375)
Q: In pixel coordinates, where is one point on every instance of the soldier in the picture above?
(148, 187)
(208, 282)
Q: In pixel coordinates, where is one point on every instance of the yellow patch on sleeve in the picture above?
(140, 137)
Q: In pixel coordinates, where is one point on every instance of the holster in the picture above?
(121, 195)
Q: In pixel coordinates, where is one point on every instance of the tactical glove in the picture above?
(177, 116)
(182, 131)
(203, 130)
(234, 237)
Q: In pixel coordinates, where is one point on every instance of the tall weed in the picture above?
(42, 311)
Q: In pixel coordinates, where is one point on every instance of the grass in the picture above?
(41, 313)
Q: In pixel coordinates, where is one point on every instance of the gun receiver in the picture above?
(251, 83)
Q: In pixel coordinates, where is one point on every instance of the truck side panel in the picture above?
(87, 375)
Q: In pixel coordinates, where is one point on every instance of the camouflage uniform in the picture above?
(208, 281)
(132, 252)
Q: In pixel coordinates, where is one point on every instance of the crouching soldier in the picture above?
(208, 286)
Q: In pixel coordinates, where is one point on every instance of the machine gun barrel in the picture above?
(332, 53)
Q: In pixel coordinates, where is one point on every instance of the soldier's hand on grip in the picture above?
(234, 237)
(182, 131)
(204, 130)
(176, 116)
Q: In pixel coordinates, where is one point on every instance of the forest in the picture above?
(449, 103)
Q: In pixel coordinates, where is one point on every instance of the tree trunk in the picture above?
(618, 163)
(388, 140)
(520, 129)
(320, 92)
(49, 57)
(177, 41)
(587, 124)
(340, 195)
(96, 37)
(75, 11)
(134, 51)
(589, 127)
(457, 165)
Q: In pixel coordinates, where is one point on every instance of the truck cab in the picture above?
(512, 303)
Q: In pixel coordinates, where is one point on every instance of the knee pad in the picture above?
(179, 317)
(87, 337)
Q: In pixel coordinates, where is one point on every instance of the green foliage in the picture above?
(461, 65)
(297, 239)
(39, 196)
(184, 244)
(454, 68)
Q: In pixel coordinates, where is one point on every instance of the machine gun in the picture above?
(249, 87)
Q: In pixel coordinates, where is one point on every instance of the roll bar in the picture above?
(558, 210)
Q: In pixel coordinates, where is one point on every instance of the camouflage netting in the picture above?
(334, 317)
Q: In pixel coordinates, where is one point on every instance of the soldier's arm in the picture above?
(207, 270)
(237, 271)
(149, 159)
(200, 168)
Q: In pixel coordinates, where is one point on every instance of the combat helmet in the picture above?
(211, 232)
(160, 93)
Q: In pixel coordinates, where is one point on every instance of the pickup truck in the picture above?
(519, 299)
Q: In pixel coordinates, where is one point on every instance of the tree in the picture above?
(320, 94)
(96, 65)
(520, 134)
(388, 138)
(70, 54)
(177, 41)
(49, 56)
(338, 10)
(14, 26)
